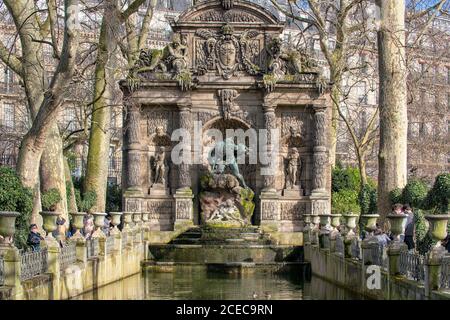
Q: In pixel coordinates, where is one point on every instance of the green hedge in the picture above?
(14, 197)
(347, 194)
(113, 198)
(345, 201)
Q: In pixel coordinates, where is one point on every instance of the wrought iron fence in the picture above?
(92, 248)
(445, 273)
(33, 263)
(412, 265)
(68, 255)
(340, 247)
(356, 248)
(2, 272)
(109, 244)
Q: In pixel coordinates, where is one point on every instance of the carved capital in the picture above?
(184, 107)
(269, 107)
(319, 107)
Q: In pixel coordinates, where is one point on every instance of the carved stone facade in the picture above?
(227, 69)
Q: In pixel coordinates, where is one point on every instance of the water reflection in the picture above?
(191, 283)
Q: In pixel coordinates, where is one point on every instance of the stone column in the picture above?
(320, 156)
(133, 149)
(184, 211)
(269, 206)
(12, 271)
(53, 252)
(394, 250)
(433, 269)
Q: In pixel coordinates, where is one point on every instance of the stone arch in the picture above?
(242, 12)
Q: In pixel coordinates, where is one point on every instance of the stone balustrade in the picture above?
(52, 272)
(403, 274)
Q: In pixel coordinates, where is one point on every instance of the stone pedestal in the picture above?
(12, 271)
(184, 209)
(269, 211)
(53, 251)
(81, 250)
(433, 265)
(293, 192)
(159, 190)
(393, 252)
(367, 246)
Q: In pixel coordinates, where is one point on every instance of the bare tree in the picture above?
(36, 22)
(111, 42)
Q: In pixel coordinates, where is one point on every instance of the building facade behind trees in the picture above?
(428, 103)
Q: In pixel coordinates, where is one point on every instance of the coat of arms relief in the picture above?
(227, 52)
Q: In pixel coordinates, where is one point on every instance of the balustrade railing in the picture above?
(412, 265)
(93, 249)
(33, 263)
(2, 272)
(109, 244)
(124, 240)
(68, 255)
(356, 249)
(340, 247)
(445, 273)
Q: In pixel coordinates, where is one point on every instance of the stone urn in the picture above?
(8, 225)
(325, 229)
(115, 221)
(369, 222)
(350, 222)
(49, 223)
(99, 222)
(315, 229)
(78, 223)
(127, 220)
(398, 224)
(438, 227)
(315, 220)
(336, 221)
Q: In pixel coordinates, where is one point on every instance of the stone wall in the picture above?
(81, 277)
(350, 274)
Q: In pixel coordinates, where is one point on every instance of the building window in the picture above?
(69, 119)
(8, 115)
(414, 129)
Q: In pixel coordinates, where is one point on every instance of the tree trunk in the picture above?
(336, 96)
(71, 201)
(99, 139)
(49, 154)
(392, 157)
(362, 167)
(52, 174)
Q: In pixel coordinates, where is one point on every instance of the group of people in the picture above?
(62, 233)
(408, 237)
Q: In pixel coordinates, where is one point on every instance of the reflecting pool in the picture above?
(195, 283)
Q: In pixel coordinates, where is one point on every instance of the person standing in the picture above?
(410, 227)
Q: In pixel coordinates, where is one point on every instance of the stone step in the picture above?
(186, 241)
